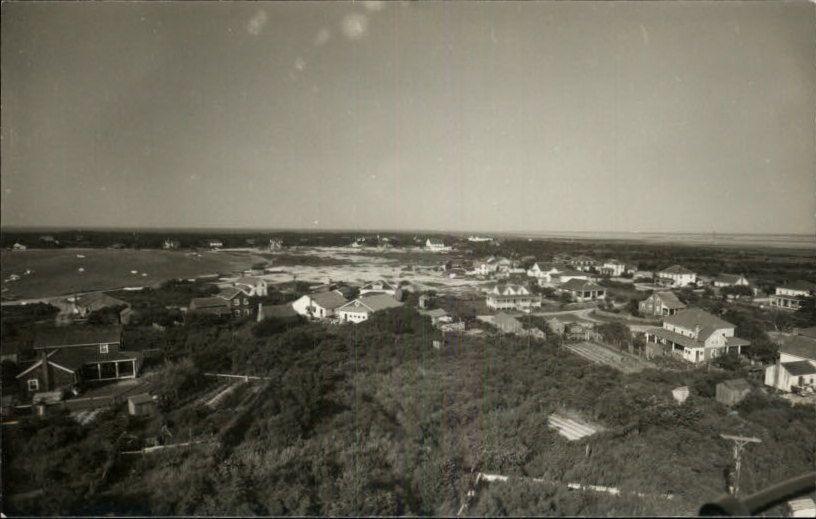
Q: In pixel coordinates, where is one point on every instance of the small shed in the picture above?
(680, 394)
(141, 405)
(732, 392)
(802, 507)
(424, 301)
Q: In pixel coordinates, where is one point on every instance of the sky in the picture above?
(453, 116)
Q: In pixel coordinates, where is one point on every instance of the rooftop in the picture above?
(799, 368)
(799, 285)
(676, 269)
(581, 285)
(798, 346)
(670, 300)
(373, 302)
(278, 311)
(199, 303)
(76, 336)
(329, 300)
(694, 317)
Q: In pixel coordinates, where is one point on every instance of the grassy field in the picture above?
(56, 272)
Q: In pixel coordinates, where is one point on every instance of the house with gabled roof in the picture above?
(238, 300)
(321, 305)
(511, 296)
(696, 336)
(581, 290)
(253, 286)
(544, 272)
(361, 308)
(68, 356)
(791, 296)
(661, 303)
(381, 286)
(796, 365)
(676, 276)
(84, 304)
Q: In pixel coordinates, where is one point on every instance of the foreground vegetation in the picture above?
(372, 420)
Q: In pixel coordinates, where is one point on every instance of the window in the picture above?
(33, 384)
(245, 301)
(103, 348)
(235, 302)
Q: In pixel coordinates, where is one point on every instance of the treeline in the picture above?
(154, 239)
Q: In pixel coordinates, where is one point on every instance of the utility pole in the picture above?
(739, 444)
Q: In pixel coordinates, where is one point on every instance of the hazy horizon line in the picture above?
(24, 228)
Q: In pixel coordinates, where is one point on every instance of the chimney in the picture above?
(697, 331)
(44, 368)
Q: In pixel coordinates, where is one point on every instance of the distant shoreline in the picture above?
(780, 240)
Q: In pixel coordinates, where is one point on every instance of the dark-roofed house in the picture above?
(510, 296)
(70, 355)
(507, 323)
(320, 305)
(791, 295)
(437, 315)
(696, 336)
(86, 303)
(661, 303)
(731, 392)
(796, 365)
(285, 312)
(730, 280)
(582, 290)
(361, 308)
(238, 300)
(676, 276)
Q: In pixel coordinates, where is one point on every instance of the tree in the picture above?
(615, 333)
(634, 307)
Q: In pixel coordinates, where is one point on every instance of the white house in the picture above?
(696, 336)
(509, 296)
(18, 246)
(361, 308)
(676, 276)
(796, 365)
(321, 305)
(730, 280)
(381, 286)
(253, 286)
(215, 244)
(615, 268)
(792, 295)
(544, 272)
(436, 245)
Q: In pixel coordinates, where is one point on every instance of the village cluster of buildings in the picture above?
(75, 356)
